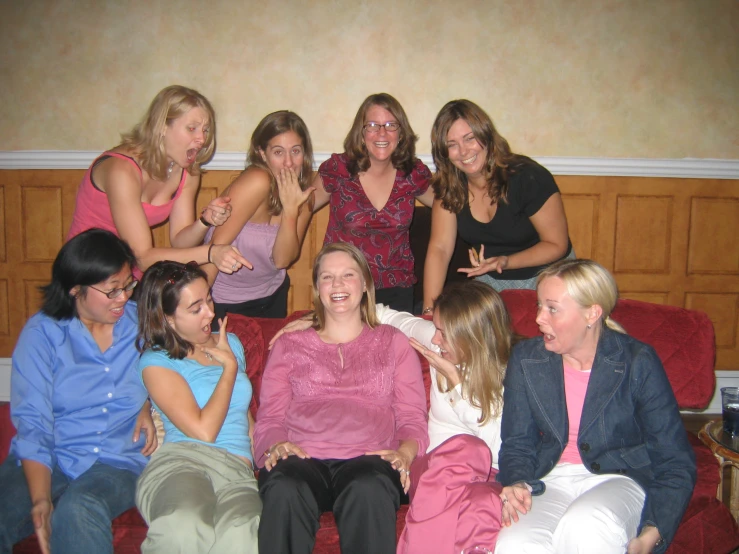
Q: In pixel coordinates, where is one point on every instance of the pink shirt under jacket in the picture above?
(373, 402)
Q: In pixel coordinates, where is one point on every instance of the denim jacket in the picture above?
(630, 424)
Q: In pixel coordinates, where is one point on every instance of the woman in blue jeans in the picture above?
(78, 404)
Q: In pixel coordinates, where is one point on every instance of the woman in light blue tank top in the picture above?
(198, 493)
(272, 206)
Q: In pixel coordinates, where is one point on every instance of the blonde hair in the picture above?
(588, 283)
(273, 125)
(478, 328)
(368, 311)
(145, 139)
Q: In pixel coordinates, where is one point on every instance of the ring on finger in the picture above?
(504, 500)
(233, 267)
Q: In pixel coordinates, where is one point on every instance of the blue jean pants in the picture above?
(83, 507)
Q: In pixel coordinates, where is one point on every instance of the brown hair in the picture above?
(588, 283)
(159, 295)
(404, 155)
(449, 183)
(271, 126)
(478, 328)
(145, 139)
(368, 310)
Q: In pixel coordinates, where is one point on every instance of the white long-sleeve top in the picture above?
(450, 414)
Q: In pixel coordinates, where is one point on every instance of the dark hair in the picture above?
(449, 183)
(271, 126)
(159, 295)
(404, 155)
(89, 258)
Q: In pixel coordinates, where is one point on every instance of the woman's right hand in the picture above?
(222, 352)
(41, 516)
(301, 324)
(280, 451)
(227, 258)
(516, 499)
(447, 369)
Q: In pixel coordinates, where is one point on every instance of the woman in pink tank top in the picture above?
(272, 201)
(154, 175)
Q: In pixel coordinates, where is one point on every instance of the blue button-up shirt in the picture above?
(72, 404)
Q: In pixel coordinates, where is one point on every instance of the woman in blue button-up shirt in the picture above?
(78, 405)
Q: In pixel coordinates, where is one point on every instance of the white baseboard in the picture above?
(558, 165)
(4, 379)
(723, 379)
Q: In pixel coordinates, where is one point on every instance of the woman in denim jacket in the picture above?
(590, 428)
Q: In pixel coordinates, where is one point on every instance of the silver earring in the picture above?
(589, 326)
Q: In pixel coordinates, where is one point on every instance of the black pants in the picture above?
(274, 305)
(398, 298)
(364, 494)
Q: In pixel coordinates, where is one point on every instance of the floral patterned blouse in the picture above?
(382, 235)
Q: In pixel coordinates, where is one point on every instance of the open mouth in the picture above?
(339, 297)
(191, 154)
(469, 161)
(382, 144)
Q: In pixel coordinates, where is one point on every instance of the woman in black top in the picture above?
(505, 206)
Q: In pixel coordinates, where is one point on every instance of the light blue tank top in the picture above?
(234, 435)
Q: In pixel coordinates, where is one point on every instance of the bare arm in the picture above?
(171, 392)
(440, 250)
(550, 223)
(123, 188)
(296, 215)
(322, 197)
(427, 198)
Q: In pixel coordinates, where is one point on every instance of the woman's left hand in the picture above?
(516, 499)
(401, 463)
(645, 542)
(217, 211)
(481, 266)
(145, 423)
(443, 366)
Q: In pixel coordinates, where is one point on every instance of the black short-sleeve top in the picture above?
(529, 186)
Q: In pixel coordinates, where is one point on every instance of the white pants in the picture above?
(579, 513)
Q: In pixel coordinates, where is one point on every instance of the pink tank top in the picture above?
(576, 385)
(93, 210)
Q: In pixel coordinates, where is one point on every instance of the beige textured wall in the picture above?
(605, 78)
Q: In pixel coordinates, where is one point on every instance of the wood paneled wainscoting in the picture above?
(667, 240)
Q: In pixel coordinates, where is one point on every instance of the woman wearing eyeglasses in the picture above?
(78, 405)
(198, 493)
(372, 188)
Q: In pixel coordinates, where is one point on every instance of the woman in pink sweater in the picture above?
(342, 416)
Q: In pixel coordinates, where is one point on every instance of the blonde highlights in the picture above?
(145, 140)
(477, 326)
(588, 283)
(449, 183)
(367, 305)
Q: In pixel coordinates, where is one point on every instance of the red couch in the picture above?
(684, 340)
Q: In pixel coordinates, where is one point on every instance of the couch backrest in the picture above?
(684, 340)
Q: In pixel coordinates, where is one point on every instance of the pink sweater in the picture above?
(371, 403)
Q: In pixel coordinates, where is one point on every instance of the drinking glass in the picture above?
(730, 410)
